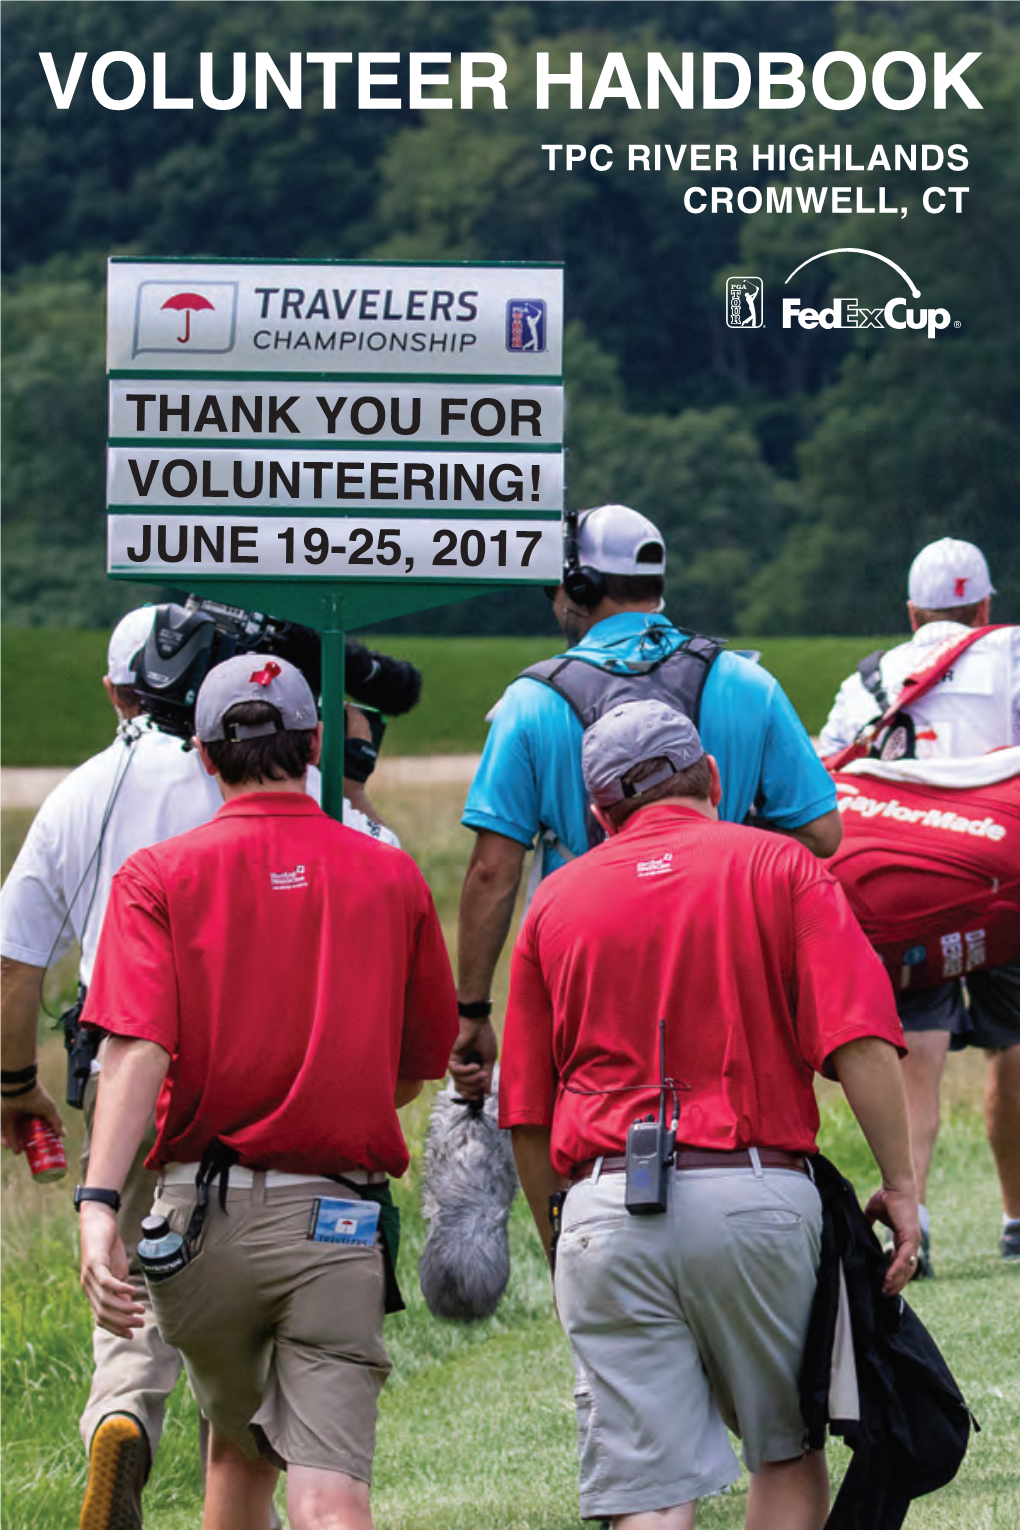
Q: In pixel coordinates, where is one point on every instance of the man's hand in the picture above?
(897, 1210)
(104, 1269)
(477, 1040)
(13, 1112)
(20, 997)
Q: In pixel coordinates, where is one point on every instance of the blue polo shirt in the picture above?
(529, 778)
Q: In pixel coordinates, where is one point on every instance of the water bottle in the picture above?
(161, 1253)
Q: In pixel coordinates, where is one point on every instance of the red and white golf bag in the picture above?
(930, 861)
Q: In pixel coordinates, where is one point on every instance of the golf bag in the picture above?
(930, 861)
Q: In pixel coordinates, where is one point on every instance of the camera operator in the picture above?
(292, 978)
(705, 967)
(145, 787)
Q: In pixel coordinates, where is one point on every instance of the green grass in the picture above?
(477, 1428)
(54, 711)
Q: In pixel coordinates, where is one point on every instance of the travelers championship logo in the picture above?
(744, 308)
(175, 318)
(745, 305)
(525, 324)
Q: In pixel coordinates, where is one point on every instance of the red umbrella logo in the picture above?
(186, 301)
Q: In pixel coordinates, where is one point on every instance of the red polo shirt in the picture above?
(739, 939)
(294, 970)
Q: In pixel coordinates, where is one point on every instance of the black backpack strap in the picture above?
(591, 689)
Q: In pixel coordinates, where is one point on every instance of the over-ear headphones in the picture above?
(584, 586)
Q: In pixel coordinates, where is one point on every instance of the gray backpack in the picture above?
(678, 679)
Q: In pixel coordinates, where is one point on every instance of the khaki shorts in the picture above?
(282, 1336)
(682, 1324)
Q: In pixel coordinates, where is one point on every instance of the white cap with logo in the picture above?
(127, 640)
(618, 540)
(948, 573)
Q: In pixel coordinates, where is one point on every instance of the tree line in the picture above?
(793, 471)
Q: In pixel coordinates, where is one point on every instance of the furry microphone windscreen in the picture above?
(468, 1187)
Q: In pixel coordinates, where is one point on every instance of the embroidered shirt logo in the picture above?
(658, 867)
(284, 881)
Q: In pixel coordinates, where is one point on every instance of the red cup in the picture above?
(43, 1149)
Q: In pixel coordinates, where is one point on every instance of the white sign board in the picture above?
(359, 318)
(335, 420)
(331, 414)
(524, 551)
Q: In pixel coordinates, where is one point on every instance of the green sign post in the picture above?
(335, 443)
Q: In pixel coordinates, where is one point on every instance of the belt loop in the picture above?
(755, 1157)
(596, 1173)
(809, 1166)
(258, 1187)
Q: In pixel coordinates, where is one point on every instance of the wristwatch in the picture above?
(109, 1198)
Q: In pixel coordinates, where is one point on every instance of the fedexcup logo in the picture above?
(849, 313)
(744, 307)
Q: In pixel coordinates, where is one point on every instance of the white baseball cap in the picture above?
(127, 640)
(617, 540)
(949, 573)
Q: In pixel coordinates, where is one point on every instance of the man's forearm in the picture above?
(872, 1080)
(20, 997)
(539, 1179)
(486, 910)
(129, 1085)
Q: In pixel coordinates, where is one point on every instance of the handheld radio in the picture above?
(650, 1145)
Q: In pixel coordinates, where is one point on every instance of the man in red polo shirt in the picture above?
(742, 948)
(277, 985)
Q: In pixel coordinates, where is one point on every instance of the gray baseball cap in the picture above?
(630, 735)
(253, 677)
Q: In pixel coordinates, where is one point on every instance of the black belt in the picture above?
(704, 1158)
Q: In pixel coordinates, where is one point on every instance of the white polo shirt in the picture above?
(974, 708)
(141, 790)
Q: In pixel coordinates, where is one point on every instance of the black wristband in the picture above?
(19, 1075)
(109, 1198)
(477, 1009)
(15, 1094)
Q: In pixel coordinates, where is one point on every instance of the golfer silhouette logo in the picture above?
(185, 320)
(744, 308)
(525, 325)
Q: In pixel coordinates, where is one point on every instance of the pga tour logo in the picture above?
(169, 316)
(525, 324)
(745, 310)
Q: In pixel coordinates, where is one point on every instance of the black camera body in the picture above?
(187, 641)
